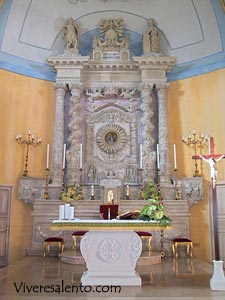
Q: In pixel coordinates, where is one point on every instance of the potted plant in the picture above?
(70, 195)
(154, 210)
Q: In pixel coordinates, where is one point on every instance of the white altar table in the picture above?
(110, 248)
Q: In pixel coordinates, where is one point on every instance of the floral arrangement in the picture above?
(71, 194)
(155, 209)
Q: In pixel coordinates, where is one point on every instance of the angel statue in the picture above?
(71, 35)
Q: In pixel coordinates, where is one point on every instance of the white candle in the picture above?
(67, 211)
(47, 158)
(92, 191)
(64, 155)
(71, 213)
(61, 212)
(157, 153)
(81, 156)
(175, 156)
(128, 190)
(141, 163)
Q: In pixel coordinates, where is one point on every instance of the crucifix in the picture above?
(211, 159)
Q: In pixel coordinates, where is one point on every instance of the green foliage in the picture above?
(155, 209)
(150, 191)
(71, 194)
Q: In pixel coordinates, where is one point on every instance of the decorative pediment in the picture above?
(111, 36)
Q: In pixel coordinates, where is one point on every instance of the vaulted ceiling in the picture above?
(191, 30)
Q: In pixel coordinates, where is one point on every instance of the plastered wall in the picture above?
(198, 103)
(195, 103)
(25, 103)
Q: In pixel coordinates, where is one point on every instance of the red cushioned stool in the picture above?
(53, 241)
(75, 235)
(184, 242)
(145, 235)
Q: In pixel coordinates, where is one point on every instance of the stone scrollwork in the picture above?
(75, 134)
(192, 189)
(31, 189)
(111, 138)
(40, 235)
(86, 247)
(136, 249)
(148, 141)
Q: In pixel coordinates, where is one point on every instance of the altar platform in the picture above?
(147, 258)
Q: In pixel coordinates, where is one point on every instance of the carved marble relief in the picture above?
(112, 131)
(73, 153)
(149, 155)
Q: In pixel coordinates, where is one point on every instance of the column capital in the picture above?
(162, 86)
(60, 85)
(148, 86)
(75, 86)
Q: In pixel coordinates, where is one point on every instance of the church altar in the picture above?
(110, 118)
(110, 248)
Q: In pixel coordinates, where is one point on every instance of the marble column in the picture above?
(57, 151)
(75, 137)
(147, 128)
(163, 134)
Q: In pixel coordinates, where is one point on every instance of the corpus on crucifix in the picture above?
(211, 159)
(217, 281)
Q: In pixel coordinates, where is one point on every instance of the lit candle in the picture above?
(47, 158)
(175, 156)
(128, 190)
(92, 190)
(157, 153)
(81, 156)
(141, 163)
(64, 155)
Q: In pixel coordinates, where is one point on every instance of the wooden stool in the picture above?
(53, 241)
(182, 241)
(145, 235)
(75, 235)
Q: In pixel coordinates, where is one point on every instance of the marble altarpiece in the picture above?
(110, 103)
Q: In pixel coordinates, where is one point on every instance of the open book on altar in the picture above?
(129, 215)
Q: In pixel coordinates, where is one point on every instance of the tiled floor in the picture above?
(172, 279)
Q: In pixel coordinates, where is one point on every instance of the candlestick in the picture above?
(81, 158)
(64, 156)
(159, 186)
(157, 153)
(29, 141)
(141, 163)
(80, 195)
(47, 157)
(63, 180)
(46, 196)
(177, 196)
(194, 141)
(92, 192)
(127, 192)
(141, 184)
(175, 156)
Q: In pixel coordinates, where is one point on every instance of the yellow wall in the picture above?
(194, 103)
(24, 103)
(198, 103)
